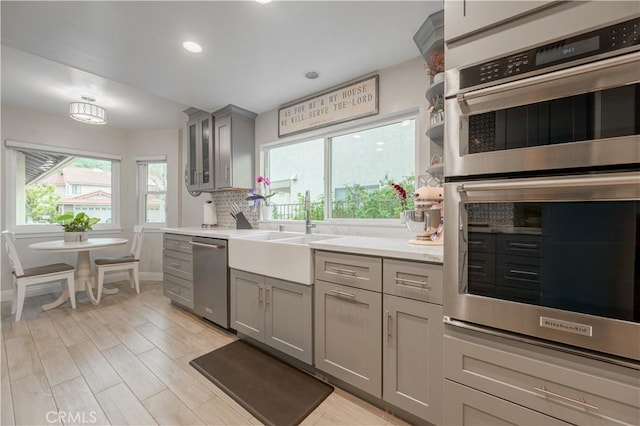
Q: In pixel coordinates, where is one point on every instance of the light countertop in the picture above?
(384, 247)
(224, 233)
(373, 246)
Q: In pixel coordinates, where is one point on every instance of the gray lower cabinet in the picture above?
(412, 356)
(464, 406)
(348, 335)
(569, 387)
(177, 268)
(275, 312)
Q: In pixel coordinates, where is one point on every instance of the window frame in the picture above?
(10, 170)
(327, 135)
(142, 167)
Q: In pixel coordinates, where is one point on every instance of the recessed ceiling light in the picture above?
(263, 1)
(192, 46)
(405, 122)
(357, 136)
(379, 143)
(311, 75)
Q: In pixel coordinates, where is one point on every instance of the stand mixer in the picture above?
(426, 220)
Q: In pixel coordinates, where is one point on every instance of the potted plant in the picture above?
(262, 197)
(435, 66)
(76, 227)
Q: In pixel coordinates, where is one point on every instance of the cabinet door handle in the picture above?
(260, 300)
(209, 246)
(342, 293)
(226, 172)
(474, 242)
(177, 293)
(404, 282)
(341, 271)
(175, 265)
(475, 267)
(266, 295)
(388, 325)
(517, 271)
(580, 403)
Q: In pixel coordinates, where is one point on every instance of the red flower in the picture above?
(400, 191)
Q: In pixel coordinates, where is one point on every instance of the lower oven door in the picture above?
(552, 258)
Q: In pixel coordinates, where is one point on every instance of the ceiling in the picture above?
(129, 55)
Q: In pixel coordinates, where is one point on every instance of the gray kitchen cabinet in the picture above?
(272, 311)
(465, 406)
(199, 174)
(289, 317)
(348, 335)
(466, 17)
(412, 356)
(566, 386)
(247, 304)
(177, 268)
(353, 270)
(234, 147)
(413, 280)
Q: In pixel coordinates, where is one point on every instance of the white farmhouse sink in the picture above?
(284, 255)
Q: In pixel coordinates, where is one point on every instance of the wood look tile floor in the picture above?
(126, 361)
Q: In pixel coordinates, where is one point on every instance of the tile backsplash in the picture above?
(223, 201)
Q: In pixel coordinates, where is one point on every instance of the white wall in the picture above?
(402, 88)
(144, 143)
(59, 131)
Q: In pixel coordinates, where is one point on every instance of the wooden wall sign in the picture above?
(337, 105)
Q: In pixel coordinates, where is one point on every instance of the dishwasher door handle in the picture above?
(210, 246)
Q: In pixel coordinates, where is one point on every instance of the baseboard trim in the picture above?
(56, 286)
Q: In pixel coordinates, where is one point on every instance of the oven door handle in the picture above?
(551, 183)
(550, 77)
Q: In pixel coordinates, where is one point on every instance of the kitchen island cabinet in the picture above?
(273, 311)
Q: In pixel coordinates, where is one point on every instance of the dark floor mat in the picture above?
(274, 392)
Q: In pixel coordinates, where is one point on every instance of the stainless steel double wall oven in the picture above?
(542, 192)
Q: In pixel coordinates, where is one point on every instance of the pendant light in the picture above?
(87, 112)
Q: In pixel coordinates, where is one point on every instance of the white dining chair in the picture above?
(23, 277)
(124, 263)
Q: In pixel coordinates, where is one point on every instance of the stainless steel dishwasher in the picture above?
(211, 280)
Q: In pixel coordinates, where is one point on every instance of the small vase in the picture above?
(265, 212)
(403, 217)
(75, 237)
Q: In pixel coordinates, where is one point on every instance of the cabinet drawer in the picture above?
(464, 406)
(481, 242)
(520, 245)
(566, 386)
(415, 280)
(179, 290)
(352, 270)
(177, 242)
(178, 264)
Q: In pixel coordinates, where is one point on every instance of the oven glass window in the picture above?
(576, 256)
(596, 115)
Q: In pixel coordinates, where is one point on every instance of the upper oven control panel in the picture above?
(601, 41)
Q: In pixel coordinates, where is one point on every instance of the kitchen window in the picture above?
(152, 192)
(46, 182)
(348, 174)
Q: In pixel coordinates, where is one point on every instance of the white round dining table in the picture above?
(84, 279)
